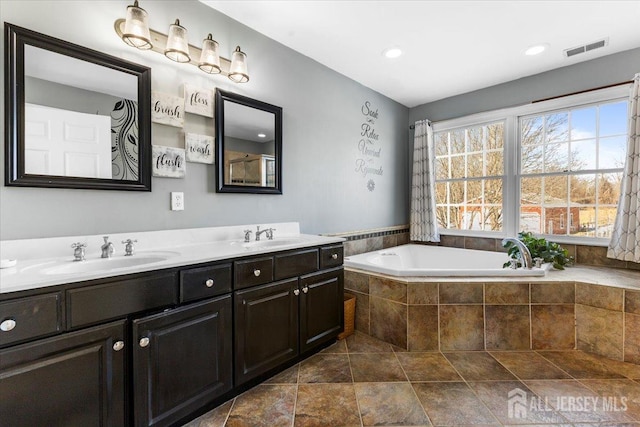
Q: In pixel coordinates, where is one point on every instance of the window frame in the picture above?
(511, 179)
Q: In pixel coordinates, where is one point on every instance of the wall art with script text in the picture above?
(168, 162)
(198, 101)
(369, 147)
(199, 148)
(167, 109)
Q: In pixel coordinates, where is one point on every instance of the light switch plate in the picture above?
(177, 201)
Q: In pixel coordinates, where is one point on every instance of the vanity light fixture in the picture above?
(209, 60)
(135, 32)
(177, 43)
(238, 71)
(136, 28)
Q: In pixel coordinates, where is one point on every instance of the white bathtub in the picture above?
(427, 261)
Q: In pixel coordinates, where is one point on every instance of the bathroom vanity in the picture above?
(154, 347)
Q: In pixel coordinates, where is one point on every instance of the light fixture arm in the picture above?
(159, 42)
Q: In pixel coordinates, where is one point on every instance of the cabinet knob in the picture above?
(7, 325)
(305, 289)
(209, 283)
(296, 292)
(144, 342)
(334, 256)
(256, 272)
(118, 345)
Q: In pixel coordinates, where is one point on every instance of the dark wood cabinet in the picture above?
(321, 308)
(182, 360)
(266, 328)
(75, 379)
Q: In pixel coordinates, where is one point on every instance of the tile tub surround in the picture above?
(383, 385)
(562, 311)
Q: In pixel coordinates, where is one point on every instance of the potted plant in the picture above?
(539, 248)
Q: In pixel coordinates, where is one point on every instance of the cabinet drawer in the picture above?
(118, 299)
(331, 256)
(296, 263)
(204, 282)
(26, 318)
(254, 271)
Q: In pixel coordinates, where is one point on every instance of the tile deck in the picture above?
(361, 381)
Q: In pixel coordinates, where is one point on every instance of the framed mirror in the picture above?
(75, 118)
(248, 145)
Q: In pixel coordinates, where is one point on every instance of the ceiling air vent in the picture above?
(586, 48)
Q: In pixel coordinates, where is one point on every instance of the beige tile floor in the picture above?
(361, 381)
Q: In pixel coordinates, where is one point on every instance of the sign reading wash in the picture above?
(368, 161)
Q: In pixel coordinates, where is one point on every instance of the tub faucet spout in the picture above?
(107, 249)
(524, 251)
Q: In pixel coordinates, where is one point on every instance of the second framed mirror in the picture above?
(248, 145)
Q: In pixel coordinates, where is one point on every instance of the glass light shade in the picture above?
(177, 43)
(136, 28)
(238, 69)
(209, 59)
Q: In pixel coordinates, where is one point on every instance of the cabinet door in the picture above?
(181, 361)
(266, 326)
(75, 379)
(321, 307)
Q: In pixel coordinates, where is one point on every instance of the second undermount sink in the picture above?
(104, 264)
(268, 243)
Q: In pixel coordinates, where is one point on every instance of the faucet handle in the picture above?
(128, 249)
(78, 253)
(270, 233)
(78, 245)
(247, 235)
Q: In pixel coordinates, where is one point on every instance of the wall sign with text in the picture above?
(168, 162)
(369, 150)
(167, 109)
(198, 101)
(199, 148)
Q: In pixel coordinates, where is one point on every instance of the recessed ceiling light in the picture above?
(262, 135)
(392, 52)
(536, 50)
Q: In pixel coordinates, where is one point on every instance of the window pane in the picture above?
(442, 167)
(583, 123)
(457, 141)
(612, 152)
(583, 189)
(609, 188)
(440, 142)
(494, 165)
(456, 193)
(532, 131)
(532, 156)
(475, 139)
(555, 191)
(530, 191)
(530, 204)
(583, 221)
(613, 119)
(557, 127)
(583, 155)
(493, 218)
(555, 218)
(474, 165)
(441, 215)
(457, 167)
(495, 136)
(493, 191)
(606, 220)
(474, 192)
(455, 218)
(556, 157)
(441, 193)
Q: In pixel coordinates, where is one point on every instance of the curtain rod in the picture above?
(583, 91)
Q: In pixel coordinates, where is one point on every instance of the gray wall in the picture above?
(322, 121)
(598, 72)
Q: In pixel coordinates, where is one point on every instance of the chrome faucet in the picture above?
(267, 232)
(247, 235)
(78, 251)
(524, 251)
(107, 249)
(128, 247)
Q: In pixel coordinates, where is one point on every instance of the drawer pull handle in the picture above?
(7, 325)
(209, 283)
(334, 256)
(118, 345)
(305, 289)
(144, 342)
(256, 272)
(296, 292)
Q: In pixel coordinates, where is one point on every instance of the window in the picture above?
(469, 176)
(553, 167)
(571, 164)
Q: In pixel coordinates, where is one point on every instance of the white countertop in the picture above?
(172, 248)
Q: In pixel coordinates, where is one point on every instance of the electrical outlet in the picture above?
(177, 201)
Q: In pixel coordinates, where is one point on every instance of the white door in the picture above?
(67, 143)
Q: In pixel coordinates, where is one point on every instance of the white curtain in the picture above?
(625, 239)
(423, 226)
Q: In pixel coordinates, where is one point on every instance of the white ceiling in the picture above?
(450, 47)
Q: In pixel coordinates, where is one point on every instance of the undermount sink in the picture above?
(268, 243)
(104, 264)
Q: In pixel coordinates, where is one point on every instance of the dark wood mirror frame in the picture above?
(15, 40)
(222, 97)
